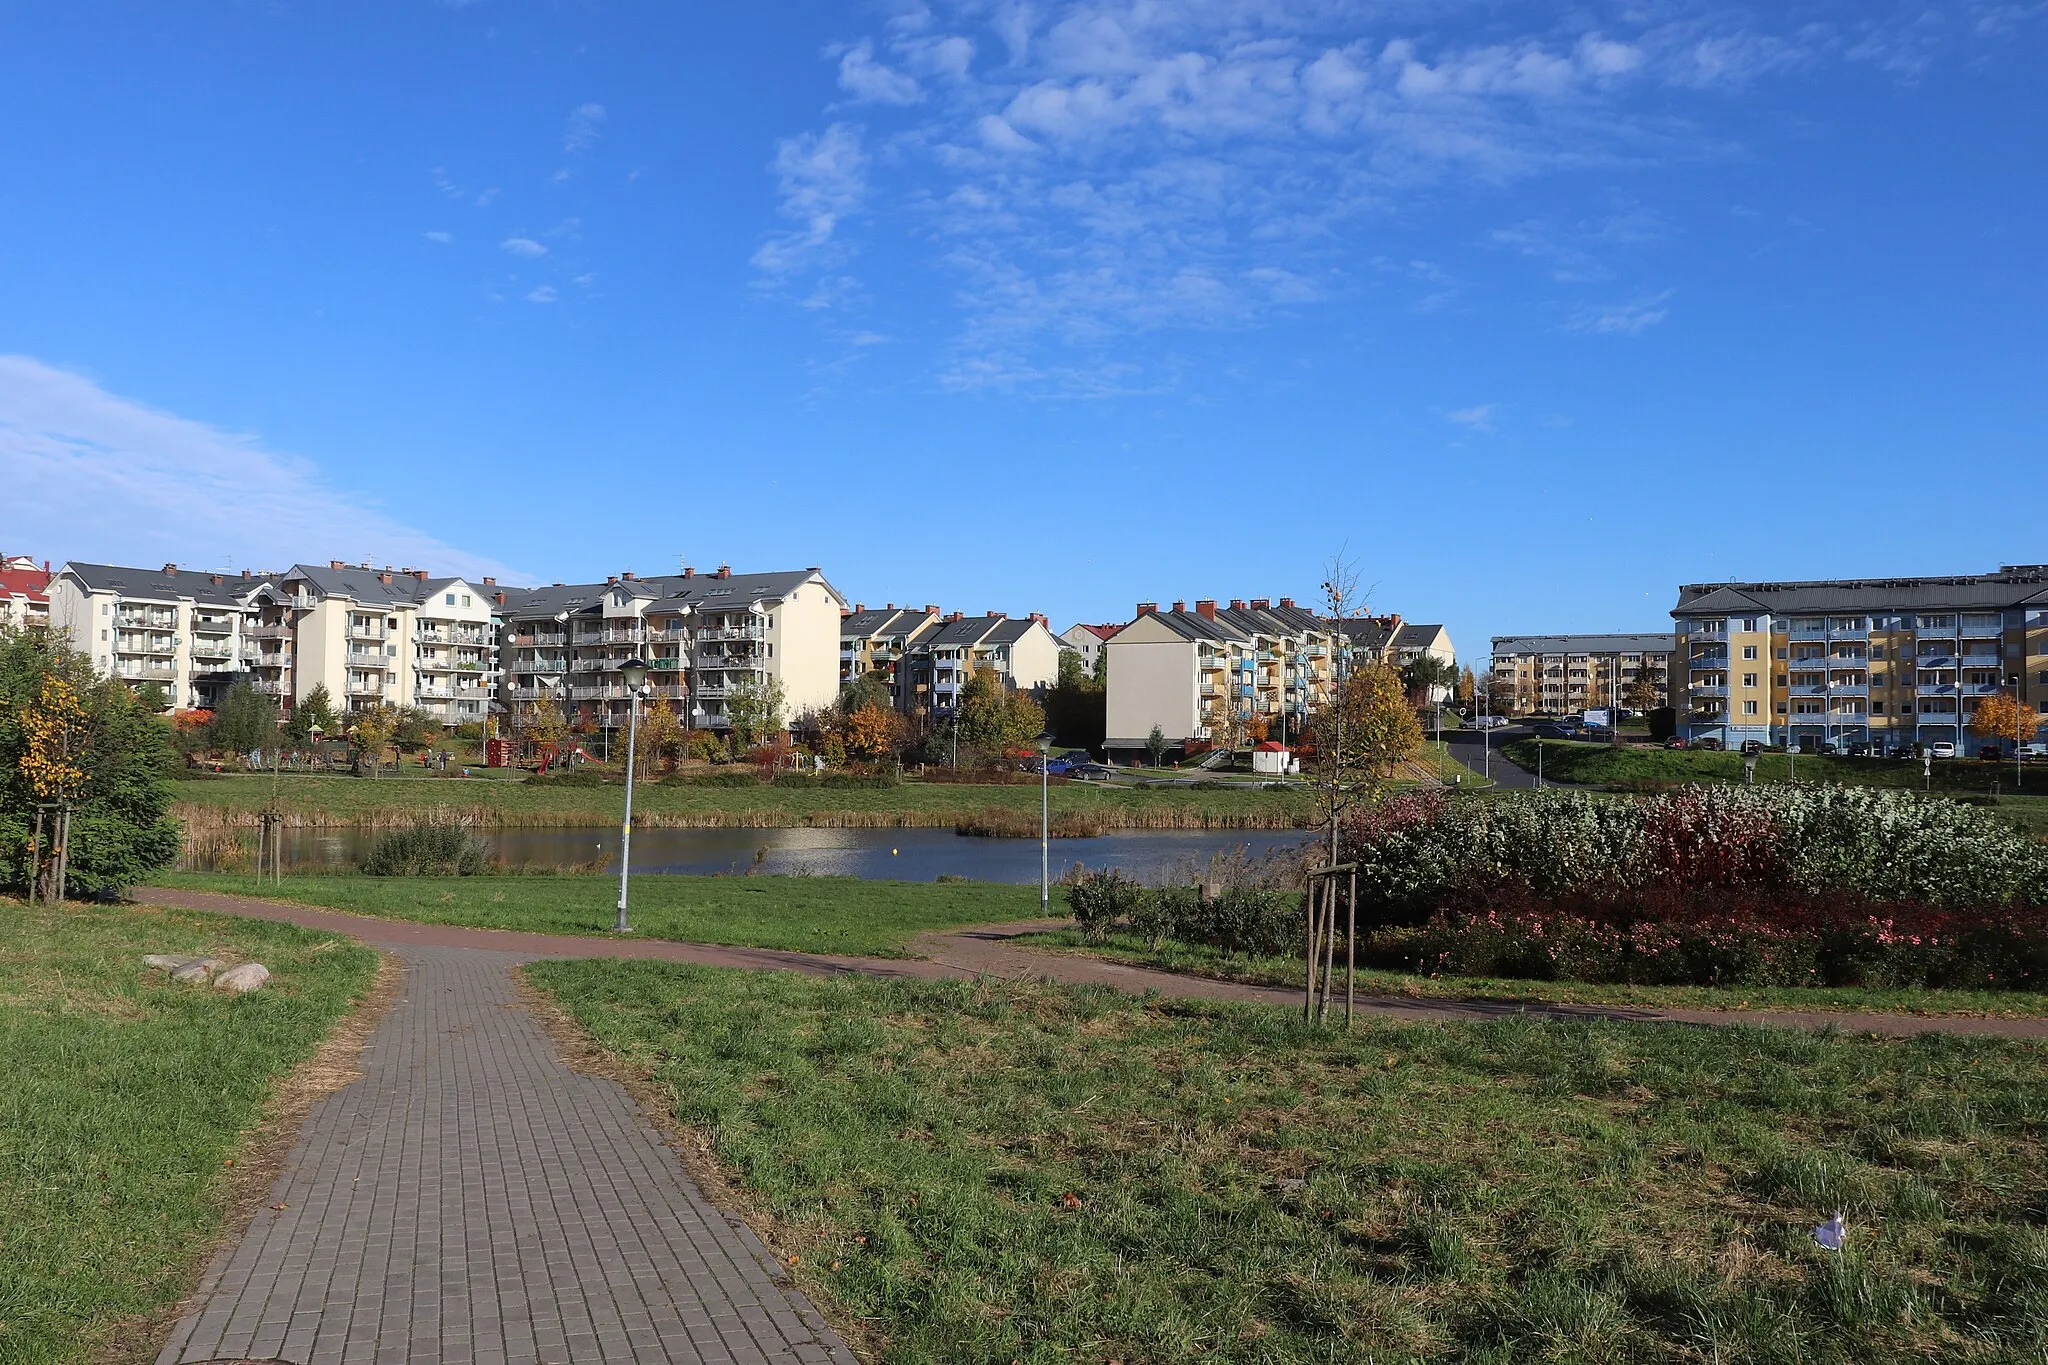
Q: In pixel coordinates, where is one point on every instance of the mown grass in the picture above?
(804, 914)
(123, 1096)
(1576, 761)
(1199, 960)
(213, 803)
(998, 1172)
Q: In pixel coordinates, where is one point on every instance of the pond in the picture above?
(917, 855)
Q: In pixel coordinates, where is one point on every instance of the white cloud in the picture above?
(823, 178)
(524, 247)
(442, 237)
(864, 78)
(1620, 319)
(94, 476)
(541, 294)
(584, 123)
(1478, 418)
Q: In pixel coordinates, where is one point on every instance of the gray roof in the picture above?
(1622, 642)
(700, 591)
(368, 587)
(218, 587)
(968, 630)
(874, 621)
(1239, 625)
(2012, 586)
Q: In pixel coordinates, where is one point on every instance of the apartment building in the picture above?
(24, 592)
(398, 637)
(1087, 641)
(1391, 640)
(877, 641)
(1209, 673)
(1556, 675)
(1895, 661)
(705, 635)
(178, 628)
(1020, 649)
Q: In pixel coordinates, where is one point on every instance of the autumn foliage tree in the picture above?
(874, 732)
(661, 735)
(2005, 716)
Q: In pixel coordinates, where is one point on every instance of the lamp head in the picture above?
(1045, 741)
(635, 671)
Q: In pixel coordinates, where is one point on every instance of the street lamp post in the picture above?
(1045, 823)
(635, 672)
(2019, 774)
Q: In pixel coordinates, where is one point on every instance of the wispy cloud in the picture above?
(1620, 319)
(442, 237)
(169, 489)
(1081, 170)
(1478, 418)
(585, 120)
(524, 247)
(544, 293)
(822, 178)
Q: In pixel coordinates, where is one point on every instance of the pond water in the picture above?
(916, 855)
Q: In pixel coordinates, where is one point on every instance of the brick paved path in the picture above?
(473, 1201)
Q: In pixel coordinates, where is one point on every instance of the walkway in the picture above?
(473, 1201)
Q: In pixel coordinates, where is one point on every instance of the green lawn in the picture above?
(806, 914)
(209, 803)
(123, 1098)
(1576, 761)
(1280, 971)
(1009, 1172)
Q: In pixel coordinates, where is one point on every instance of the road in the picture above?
(1465, 747)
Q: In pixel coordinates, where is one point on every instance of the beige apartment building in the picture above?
(1557, 675)
(400, 637)
(1891, 662)
(178, 628)
(705, 636)
(877, 641)
(1209, 673)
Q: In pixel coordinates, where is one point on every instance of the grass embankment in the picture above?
(124, 1096)
(999, 1171)
(211, 805)
(802, 914)
(1198, 960)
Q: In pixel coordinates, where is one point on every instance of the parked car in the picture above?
(1709, 742)
(1941, 748)
(1675, 742)
(1091, 772)
(1989, 751)
(1551, 729)
(1900, 751)
(2033, 750)
(1862, 748)
(1752, 746)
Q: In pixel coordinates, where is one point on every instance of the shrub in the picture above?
(428, 850)
(1101, 900)
(574, 777)
(731, 777)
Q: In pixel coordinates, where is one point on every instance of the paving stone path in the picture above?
(473, 1201)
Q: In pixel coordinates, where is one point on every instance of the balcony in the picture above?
(587, 665)
(541, 640)
(271, 631)
(1709, 689)
(363, 658)
(271, 689)
(363, 689)
(209, 653)
(668, 635)
(756, 632)
(620, 635)
(712, 690)
(433, 691)
(358, 632)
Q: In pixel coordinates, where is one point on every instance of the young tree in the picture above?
(2004, 716)
(152, 698)
(1073, 673)
(755, 711)
(1426, 676)
(245, 722)
(1155, 747)
(661, 734)
(315, 710)
(1468, 686)
(543, 723)
(1640, 695)
(869, 689)
(1102, 665)
(369, 731)
(414, 729)
(874, 732)
(993, 719)
(89, 741)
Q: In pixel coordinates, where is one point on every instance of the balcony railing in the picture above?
(366, 633)
(271, 689)
(540, 639)
(620, 635)
(267, 632)
(363, 689)
(733, 633)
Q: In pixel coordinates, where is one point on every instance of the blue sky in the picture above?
(1533, 310)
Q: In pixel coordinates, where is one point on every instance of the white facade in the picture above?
(179, 629)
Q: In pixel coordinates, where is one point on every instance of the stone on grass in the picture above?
(169, 962)
(247, 977)
(193, 973)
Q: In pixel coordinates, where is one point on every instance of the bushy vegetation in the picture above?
(1766, 886)
(1255, 921)
(428, 850)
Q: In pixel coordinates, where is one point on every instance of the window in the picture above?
(391, 651)
(391, 677)
(1877, 651)
(451, 599)
(103, 635)
(1781, 708)
(1781, 651)
(1749, 651)
(106, 608)
(1937, 623)
(465, 599)
(1877, 708)
(1877, 680)
(1749, 680)
(1749, 708)
(1781, 680)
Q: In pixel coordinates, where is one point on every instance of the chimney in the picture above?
(1261, 603)
(490, 582)
(724, 572)
(171, 570)
(1180, 606)
(245, 573)
(336, 564)
(1206, 608)
(999, 615)
(384, 577)
(420, 574)
(1237, 604)
(860, 606)
(1039, 617)
(954, 617)
(889, 606)
(500, 598)
(689, 572)
(1147, 608)
(215, 577)
(811, 569)
(1286, 601)
(932, 608)
(627, 575)
(610, 579)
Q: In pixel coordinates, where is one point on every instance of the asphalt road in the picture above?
(1465, 747)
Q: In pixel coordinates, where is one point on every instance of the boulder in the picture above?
(192, 973)
(247, 977)
(169, 962)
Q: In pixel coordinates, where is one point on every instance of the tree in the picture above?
(314, 711)
(414, 729)
(869, 689)
(1155, 747)
(1468, 686)
(1102, 665)
(1369, 725)
(1073, 673)
(543, 723)
(1641, 693)
(755, 710)
(1426, 676)
(152, 698)
(370, 730)
(993, 719)
(2004, 716)
(874, 732)
(67, 733)
(661, 734)
(245, 722)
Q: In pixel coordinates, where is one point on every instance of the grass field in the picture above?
(1577, 761)
(804, 914)
(123, 1098)
(1005, 1172)
(1279, 971)
(211, 804)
